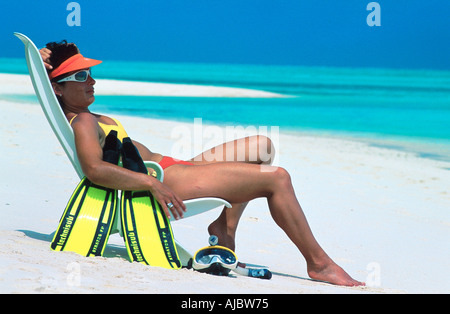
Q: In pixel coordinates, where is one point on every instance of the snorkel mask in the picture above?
(215, 260)
(218, 260)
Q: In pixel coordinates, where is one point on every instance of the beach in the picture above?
(380, 213)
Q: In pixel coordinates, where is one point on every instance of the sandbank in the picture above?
(21, 84)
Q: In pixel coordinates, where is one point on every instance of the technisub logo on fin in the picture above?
(135, 248)
(64, 232)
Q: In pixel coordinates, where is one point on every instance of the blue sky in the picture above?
(413, 33)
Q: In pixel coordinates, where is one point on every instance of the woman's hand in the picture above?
(168, 200)
(45, 55)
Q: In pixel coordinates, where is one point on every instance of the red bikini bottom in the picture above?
(169, 161)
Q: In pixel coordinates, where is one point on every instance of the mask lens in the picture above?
(206, 256)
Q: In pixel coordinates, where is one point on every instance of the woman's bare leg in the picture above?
(239, 183)
(254, 149)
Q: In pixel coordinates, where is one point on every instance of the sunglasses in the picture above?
(80, 76)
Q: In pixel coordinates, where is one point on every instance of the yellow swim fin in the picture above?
(146, 229)
(86, 223)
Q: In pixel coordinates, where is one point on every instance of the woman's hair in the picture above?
(61, 51)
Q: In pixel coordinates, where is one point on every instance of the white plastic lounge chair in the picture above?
(64, 133)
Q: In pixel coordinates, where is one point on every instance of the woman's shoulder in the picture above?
(83, 118)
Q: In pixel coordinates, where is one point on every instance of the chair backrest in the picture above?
(49, 103)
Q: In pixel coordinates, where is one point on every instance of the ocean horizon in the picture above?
(406, 108)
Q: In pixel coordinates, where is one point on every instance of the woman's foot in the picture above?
(226, 237)
(332, 273)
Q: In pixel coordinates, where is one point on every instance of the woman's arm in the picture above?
(90, 155)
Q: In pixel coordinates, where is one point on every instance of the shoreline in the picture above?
(435, 149)
(21, 84)
(438, 149)
(380, 213)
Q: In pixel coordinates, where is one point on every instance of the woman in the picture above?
(237, 182)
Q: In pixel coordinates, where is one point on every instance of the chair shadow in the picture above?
(111, 250)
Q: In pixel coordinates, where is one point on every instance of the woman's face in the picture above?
(76, 95)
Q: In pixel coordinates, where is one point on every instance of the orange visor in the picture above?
(74, 63)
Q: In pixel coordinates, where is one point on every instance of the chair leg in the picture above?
(117, 225)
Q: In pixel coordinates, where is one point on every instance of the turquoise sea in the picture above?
(407, 109)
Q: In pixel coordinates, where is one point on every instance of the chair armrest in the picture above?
(199, 205)
(155, 166)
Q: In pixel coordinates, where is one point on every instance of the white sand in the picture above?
(379, 213)
(21, 84)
